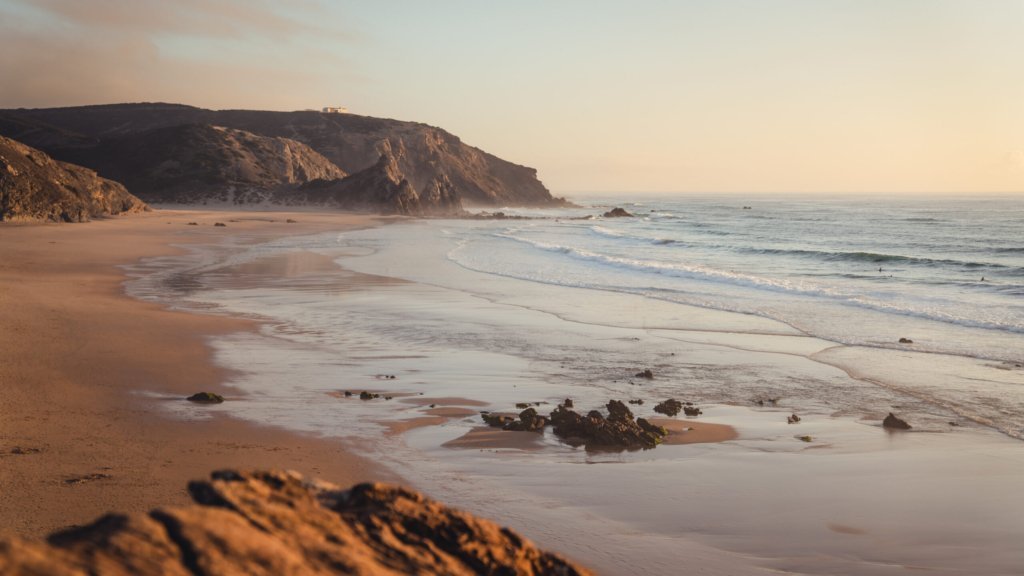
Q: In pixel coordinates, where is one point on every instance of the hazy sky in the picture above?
(758, 95)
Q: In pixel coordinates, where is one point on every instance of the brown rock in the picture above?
(34, 186)
(619, 431)
(617, 213)
(281, 523)
(436, 163)
(893, 422)
(669, 407)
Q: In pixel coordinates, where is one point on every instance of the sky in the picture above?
(825, 96)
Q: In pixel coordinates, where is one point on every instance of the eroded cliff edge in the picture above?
(34, 186)
(426, 157)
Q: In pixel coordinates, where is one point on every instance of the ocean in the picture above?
(946, 273)
(752, 308)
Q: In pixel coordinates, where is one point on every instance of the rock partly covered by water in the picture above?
(529, 421)
(894, 422)
(618, 431)
(281, 523)
(669, 407)
(34, 186)
(617, 213)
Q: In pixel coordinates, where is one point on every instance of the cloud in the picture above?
(224, 53)
(218, 18)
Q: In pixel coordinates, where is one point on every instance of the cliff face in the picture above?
(426, 156)
(381, 187)
(280, 523)
(34, 186)
(199, 163)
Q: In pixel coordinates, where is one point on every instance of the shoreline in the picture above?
(80, 361)
(370, 317)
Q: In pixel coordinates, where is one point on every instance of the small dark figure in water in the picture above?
(982, 278)
(879, 268)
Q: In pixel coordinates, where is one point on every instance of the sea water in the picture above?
(795, 299)
(946, 273)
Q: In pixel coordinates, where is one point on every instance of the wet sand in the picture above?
(694, 432)
(487, 438)
(76, 438)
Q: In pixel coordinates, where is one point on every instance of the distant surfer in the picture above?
(982, 278)
(879, 268)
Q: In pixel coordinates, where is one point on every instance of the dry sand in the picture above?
(76, 440)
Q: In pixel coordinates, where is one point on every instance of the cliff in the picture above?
(34, 186)
(200, 163)
(427, 157)
(381, 187)
(280, 523)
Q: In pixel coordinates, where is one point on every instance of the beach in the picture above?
(291, 322)
(77, 440)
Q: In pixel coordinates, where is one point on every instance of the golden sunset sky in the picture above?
(827, 96)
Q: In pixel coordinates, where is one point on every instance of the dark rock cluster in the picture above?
(617, 213)
(529, 421)
(618, 431)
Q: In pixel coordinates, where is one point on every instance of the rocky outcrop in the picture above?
(619, 431)
(529, 421)
(34, 186)
(199, 164)
(381, 188)
(617, 213)
(281, 523)
(433, 161)
(669, 407)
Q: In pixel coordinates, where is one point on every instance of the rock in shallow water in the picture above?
(619, 431)
(282, 523)
(206, 398)
(893, 422)
(669, 407)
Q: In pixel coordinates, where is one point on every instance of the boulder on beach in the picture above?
(281, 523)
(206, 398)
(906, 341)
(692, 411)
(893, 422)
(645, 373)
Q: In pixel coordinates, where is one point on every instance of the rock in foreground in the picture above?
(280, 523)
(34, 186)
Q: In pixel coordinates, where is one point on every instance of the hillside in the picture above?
(34, 186)
(425, 155)
(199, 163)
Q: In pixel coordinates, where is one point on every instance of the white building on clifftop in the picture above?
(335, 110)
